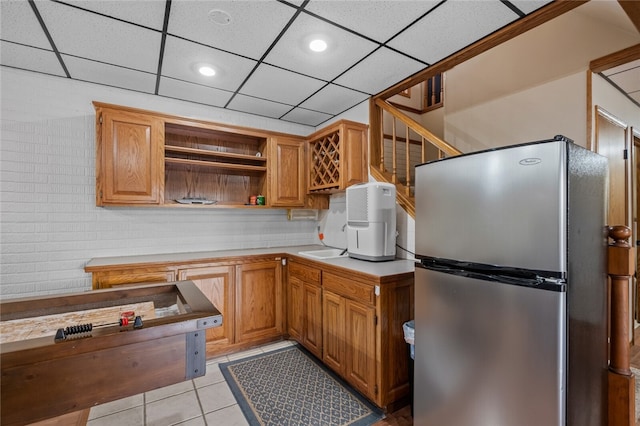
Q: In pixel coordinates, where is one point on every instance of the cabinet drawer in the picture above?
(348, 288)
(107, 279)
(305, 273)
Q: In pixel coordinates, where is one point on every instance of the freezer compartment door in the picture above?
(487, 353)
(504, 207)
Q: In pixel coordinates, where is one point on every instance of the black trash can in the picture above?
(409, 336)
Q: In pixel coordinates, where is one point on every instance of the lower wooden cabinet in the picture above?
(259, 300)
(360, 352)
(349, 336)
(359, 319)
(305, 307)
(217, 283)
(333, 332)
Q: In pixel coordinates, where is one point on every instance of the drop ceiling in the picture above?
(258, 48)
(626, 78)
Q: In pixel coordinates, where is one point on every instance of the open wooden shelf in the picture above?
(230, 167)
(208, 155)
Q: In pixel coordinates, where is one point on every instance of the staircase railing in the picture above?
(621, 381)
(392, 158)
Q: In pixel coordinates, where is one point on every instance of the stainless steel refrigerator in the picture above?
(510, 290)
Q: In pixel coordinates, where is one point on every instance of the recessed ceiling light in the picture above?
(219, 17)
(318, 45)
(207, 71)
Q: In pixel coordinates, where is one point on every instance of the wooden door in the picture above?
(130, 162)
(217, 284)
(636, 211)
(313, 318)
(288, 185)
(612, 142)
(258, 300)
(333, 331)
(360, 353)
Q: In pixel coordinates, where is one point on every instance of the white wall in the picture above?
(615, 103)
(50, 225)
(533, 86)
(541, 112)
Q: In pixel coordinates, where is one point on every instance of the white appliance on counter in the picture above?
(371, 221)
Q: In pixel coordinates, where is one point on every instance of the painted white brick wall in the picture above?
(50, 226)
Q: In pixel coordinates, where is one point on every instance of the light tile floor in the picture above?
(203, 401)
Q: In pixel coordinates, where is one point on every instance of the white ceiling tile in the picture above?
(149, 13)
(623, 67)
(91, 36)
(297, 3)
(635, 96)
(258, 106)
(305, 116)
(253, 26)
(344, 49)
(110, 75)
(181, 60)
(379, 20)
(390, 68)
(452, 26)
(334, 99)
(193, 92)
(280, 85)
(30, 58)
(18, 23)
(528, 6)
(629, 80)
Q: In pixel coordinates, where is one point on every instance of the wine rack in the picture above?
(337, 157)
(325, 163)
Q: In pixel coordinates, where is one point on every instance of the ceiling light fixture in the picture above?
(219, 17)
(318, 45)
(206, 71)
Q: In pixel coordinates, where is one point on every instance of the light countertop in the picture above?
(379, 269)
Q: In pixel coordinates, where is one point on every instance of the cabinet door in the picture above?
(360, 354)
(287, 187)
(295, 308)
(312, 300)
(217, 284)
(258, 300)
(333, 331)
(130, 163)
(355, 147)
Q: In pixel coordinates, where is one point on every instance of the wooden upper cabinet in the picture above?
(337, 157)
(287, 172)
(129, 158)
(150, 158)
(355, 149)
